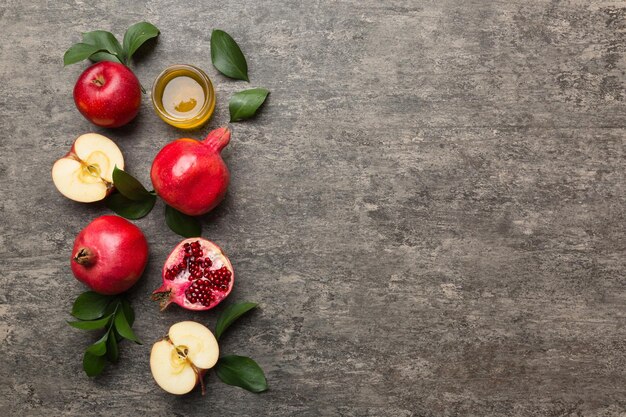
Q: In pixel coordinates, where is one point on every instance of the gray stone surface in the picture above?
(430, 208)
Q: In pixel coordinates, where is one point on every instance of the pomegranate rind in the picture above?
(190, 175)
(105, 244)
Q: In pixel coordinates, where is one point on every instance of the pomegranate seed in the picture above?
(199, 291)
(220, 278)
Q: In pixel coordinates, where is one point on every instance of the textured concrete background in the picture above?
(430, 208)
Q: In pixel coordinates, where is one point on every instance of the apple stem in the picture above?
(84, 257)
(99, 81)
(200, 376)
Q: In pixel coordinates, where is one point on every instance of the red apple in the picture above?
(108, 94)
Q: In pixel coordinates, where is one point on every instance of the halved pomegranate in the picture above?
(196, 276)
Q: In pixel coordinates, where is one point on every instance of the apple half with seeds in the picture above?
(85, 174)
(179, 361)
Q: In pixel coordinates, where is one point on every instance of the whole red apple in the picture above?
(108, 94)
(109, 255)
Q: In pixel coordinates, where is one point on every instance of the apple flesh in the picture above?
(179, 362)
(108, 94)
(85, 173)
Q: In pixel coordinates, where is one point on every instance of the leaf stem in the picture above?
(117, 300)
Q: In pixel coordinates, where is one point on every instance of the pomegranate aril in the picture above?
(199, 291)
(192, 262)
(220, 278)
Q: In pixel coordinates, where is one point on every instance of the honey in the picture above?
(183, 96)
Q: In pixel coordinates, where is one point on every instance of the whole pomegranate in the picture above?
(196, 276)
(109, 255)
(190, 175)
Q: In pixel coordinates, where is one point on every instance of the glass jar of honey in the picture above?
(183, 96)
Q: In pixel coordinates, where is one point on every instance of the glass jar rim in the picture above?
(205, 83)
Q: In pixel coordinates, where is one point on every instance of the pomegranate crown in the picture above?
(218, 138)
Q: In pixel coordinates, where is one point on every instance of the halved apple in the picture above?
(85, 174)
(179, 362)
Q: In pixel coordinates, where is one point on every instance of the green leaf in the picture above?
(91, 324)
(128, 312)
(128, 208)
(133, 200)
(241, 371)
(113, 352)
(113, 306)
(123, 328)
(104, 56)
(79, 52)
(129, 186)
(100, 347)
(93, 364)
(230, 314)
(136, 35)
(182, 224)
(90, 305)
(244, 104)
(105, 41)
(227, 56)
